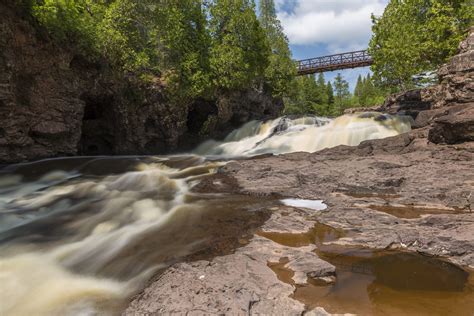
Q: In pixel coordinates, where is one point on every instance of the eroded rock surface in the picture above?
(424, 194)
(237, 284)
(413, 192)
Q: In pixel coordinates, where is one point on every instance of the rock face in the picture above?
(455, 126)
(384, 194)
(54, 102)
(413, 192)
(431, 106)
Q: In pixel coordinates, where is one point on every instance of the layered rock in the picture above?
(54, 102)
(446, 104)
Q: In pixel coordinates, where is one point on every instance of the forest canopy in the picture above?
(197, 48)
(414, 37)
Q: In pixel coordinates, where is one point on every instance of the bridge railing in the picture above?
(354, 59)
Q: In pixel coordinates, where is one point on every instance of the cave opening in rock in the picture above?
(97, 127)
(199, 114)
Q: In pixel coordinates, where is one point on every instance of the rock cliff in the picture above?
(446, 109)
(54, 102)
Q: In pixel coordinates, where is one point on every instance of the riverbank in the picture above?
(398, 193)
(396, 234)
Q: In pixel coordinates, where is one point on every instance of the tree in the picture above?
(330, 93)
(239, 50)
(358, 88)
(342, 94)
(184, 43)
(413, 37)
(322, 90)
(281, 69)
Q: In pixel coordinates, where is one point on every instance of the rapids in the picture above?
(79, 236)
(309, 134)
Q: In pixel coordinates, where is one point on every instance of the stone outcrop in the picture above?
(400, 193)
(54, 102)
(431, 106)
(455, 126)
(413, 193)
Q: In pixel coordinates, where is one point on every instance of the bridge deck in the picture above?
(334, 62)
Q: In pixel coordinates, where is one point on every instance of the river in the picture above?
(80, 236)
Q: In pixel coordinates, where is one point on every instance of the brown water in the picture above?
(411, 211)
(378, 282)
(80, 236)
(316, 235)
(82, 239)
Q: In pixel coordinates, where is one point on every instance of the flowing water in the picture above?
(80, 236)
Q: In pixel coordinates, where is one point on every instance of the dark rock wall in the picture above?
(446, 109)
(54, 102)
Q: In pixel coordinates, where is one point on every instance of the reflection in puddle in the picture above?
(316, 205)
(371, 282)
(318, 234)
(376, 282)
(410, 211)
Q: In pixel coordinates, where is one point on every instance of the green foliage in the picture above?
(368, 93)
(315, 96)
(183, 43)
(281, 69)
(192, 47)
(239, 50)
(71, 20)
(415, 37)
(311, 95)
(342, 94)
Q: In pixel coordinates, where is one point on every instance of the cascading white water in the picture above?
(83, 267)
(310, 134)
(78, 236)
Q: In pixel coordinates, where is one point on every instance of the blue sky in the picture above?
(322, 27)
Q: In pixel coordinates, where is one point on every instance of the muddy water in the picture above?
(80, 236)
(317, 235)
(83, 238)
(378, 282)
(410, 211)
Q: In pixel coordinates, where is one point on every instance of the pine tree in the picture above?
(330, 93)
(322, 90)
(281, 69)
(358, 90)
(342, 94)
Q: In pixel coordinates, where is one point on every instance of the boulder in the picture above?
(456, 126)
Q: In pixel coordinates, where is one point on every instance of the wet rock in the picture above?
(239, 283)
(413, 173)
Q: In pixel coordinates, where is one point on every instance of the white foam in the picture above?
(285, 135)
(317, 205)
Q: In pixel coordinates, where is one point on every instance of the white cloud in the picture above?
(338, 24)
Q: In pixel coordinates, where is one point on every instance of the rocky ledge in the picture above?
(400, 193)
(413, 193)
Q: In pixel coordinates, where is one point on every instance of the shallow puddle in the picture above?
(318, 234)
(371, 282)
(410, 211)
(378, 282)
